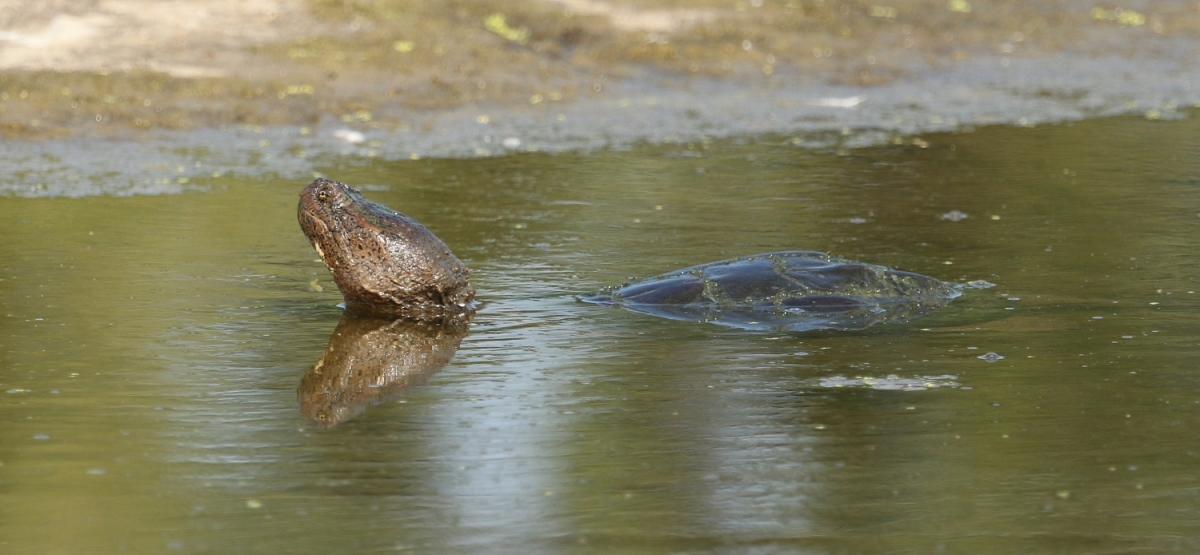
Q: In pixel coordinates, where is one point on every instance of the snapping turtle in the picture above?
(383, 261)
(792, 290)
(386, 263)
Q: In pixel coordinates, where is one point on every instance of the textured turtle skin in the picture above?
(382, 261)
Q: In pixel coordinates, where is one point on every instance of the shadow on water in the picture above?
(370, 360)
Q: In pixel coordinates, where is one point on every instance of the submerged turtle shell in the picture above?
(793, 290)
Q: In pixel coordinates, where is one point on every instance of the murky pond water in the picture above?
(154, 350)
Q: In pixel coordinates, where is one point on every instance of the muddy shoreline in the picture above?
(130, 97)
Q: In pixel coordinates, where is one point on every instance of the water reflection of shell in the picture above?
(370, 360)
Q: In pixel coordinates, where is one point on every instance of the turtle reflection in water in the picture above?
(372, 359)
(786, 291)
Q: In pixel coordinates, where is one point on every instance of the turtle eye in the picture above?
(323, 195)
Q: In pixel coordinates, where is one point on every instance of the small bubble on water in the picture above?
(41, 437)
(954, 216)
(97, 471)
(990, 357)
(980, 284)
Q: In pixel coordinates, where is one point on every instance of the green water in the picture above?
(151, 349)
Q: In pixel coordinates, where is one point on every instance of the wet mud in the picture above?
(118, 97)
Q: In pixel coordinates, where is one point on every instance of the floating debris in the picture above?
(293, 90)
(835, 102)
(892, 382)
(1121, 16)
(497, 23)
(350, 136)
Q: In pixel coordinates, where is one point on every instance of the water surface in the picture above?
(151, 349)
